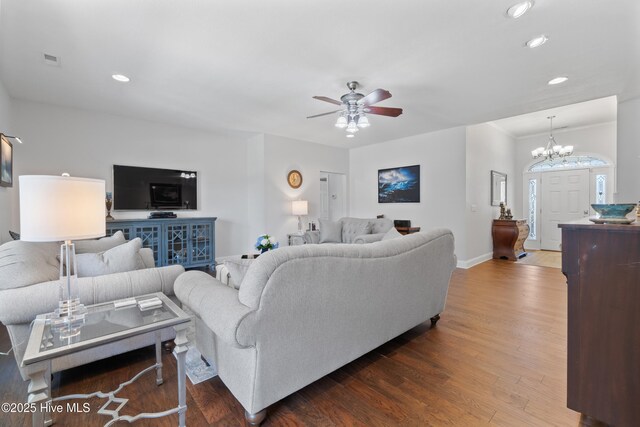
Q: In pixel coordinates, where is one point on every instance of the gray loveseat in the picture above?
(354, 230)
(303, 311)
(29, 285)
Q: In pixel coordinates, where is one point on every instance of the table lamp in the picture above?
(300, 208)
(62, 208)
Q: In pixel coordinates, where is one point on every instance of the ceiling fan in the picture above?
(356, 106)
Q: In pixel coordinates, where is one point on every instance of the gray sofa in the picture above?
(29, 285)
(351, 230)
(303, 311)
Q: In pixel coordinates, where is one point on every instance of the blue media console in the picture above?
(190, 242)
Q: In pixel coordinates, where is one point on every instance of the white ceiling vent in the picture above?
(51, 59)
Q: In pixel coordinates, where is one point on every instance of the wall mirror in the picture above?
(498, 188)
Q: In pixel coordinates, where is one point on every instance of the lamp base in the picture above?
(70, 309)
(68, 318)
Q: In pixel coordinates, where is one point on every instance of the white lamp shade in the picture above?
(299, 207)
(55, 208)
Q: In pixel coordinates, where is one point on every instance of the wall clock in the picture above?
(294, 179)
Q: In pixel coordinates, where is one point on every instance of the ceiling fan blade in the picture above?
(325, 99)
(323, 114)
(375, 96)
(384, 111)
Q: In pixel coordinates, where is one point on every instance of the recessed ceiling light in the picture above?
(350, 135)
(558, 80)
(519, 9)
(537, 41)
(121, 78)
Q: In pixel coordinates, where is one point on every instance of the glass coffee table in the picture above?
(104, 323)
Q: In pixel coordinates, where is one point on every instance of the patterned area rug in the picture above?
(197, 370)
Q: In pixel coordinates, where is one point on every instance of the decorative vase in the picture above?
(108, 203)
(263, 250)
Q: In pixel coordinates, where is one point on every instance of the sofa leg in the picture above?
(255, 419)
(434, 320)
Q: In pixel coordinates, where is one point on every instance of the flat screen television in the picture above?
(137, 188)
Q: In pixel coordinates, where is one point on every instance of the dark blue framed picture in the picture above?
(399, 185)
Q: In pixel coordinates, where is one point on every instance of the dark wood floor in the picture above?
(497, 356)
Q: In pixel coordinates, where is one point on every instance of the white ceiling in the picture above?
(603, 110)
(253, 66)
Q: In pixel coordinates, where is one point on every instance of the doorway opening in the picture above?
(563, 191)
(333, 195)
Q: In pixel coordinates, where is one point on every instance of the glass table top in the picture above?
(103, 323)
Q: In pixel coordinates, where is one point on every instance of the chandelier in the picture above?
(553, 149)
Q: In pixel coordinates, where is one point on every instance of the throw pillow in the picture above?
(14, 235)
(237, 270)
(330, 231)
(145, 259)
(99, 245)
(116, 260)
(391, 234)
(363, 228)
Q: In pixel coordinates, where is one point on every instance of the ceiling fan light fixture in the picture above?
(537, 41)
(363, 122)
(352, 128)
(355, 108)
(519, 9)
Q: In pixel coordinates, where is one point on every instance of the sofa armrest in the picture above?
(369, 238)
(213, 302)
(22, 305)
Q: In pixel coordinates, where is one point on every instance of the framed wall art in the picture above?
(6, 162)
(399, 185)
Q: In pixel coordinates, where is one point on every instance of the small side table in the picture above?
(295, 239)
(105, 324)
(509, 236)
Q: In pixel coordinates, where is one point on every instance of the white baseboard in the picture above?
(475, 261)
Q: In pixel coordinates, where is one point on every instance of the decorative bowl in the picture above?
(613, 210)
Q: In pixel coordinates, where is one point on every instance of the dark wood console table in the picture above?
(602, 265)
(407, 230)
(508, 238)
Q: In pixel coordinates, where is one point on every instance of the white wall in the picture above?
(628, 151)
(597, 139)
(282, 155)
(441, 156)
(59, 139)
(256, 187)
(488, 148)
(5, 193)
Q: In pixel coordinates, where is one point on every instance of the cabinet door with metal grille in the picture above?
(201, 244)
(177, 236)
(150, 235)
(113, 228)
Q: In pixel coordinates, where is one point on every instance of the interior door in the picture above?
(324, 196)
(565, 197)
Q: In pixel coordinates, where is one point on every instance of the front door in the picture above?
(565, 197)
